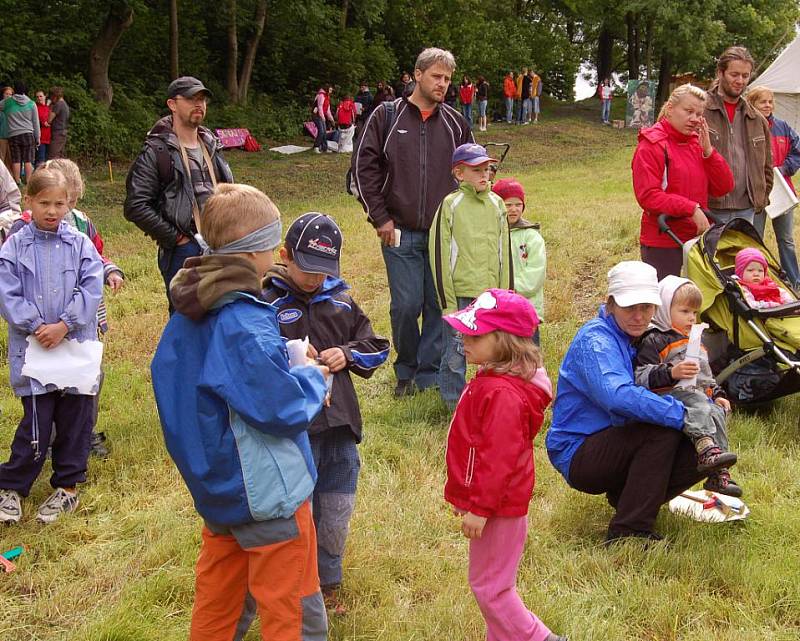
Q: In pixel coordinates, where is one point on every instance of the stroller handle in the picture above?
(664, 228)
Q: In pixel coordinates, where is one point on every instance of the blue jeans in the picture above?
(171, 260)
(527, 106)
(482, 108)
(453, 369)
(605, 112)
(41, 154)
(413, 293)
(337, 461)
(321, 141)
(726, 215)
(783, 227)
(467, 111)
(509, 110)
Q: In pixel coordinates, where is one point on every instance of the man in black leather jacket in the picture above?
(174, 174)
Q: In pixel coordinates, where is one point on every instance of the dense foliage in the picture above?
(307, 42)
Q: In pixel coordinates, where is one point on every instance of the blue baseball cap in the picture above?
(471, 154)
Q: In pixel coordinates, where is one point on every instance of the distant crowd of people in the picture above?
(521, 95)
(31, 132)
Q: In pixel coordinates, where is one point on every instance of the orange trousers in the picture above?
(281, 577)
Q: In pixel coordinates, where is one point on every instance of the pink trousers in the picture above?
(493, 563)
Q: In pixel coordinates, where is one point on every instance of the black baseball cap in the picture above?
(316, 243)
(186, 86)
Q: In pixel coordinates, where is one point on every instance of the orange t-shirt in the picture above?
(425, 114)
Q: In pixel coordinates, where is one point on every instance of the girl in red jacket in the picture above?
(675, 169)
(490, 454)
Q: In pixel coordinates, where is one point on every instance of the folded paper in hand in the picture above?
(70, 364)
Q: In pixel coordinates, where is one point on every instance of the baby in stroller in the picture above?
(759, 290)
(661, 364)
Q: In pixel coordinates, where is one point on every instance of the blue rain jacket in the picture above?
(596, 390)
(234, 414)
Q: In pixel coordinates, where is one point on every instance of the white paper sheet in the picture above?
(693, 351)
(289, 149)
(71, 364)
(781, 198)
(297, 350)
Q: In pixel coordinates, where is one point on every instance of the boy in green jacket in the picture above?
(470, 251)
(527, 247)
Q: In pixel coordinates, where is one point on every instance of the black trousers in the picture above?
(666, 260)
(72, 415)
(639, 467)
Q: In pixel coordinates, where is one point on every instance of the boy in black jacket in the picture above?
(313, 301)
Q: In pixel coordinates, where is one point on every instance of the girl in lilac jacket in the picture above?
(51, 281)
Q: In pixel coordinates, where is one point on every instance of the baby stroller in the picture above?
(754, 353)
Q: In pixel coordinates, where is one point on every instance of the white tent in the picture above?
(783, 77)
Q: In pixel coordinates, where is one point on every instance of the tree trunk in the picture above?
(231, 76)
(605, 48)
(119, 18)
(648, 48)
(631, 22)
(345, 11)
(252, 49)
(664, 78)
(174, 65)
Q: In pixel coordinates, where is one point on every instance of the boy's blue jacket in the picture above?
(596, 390)
(234, 415)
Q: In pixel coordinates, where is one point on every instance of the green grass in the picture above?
(121, 568)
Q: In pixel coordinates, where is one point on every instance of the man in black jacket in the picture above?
(401, 171)
(173, 176)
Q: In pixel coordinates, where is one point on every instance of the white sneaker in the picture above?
(10, 507)
(317, 150)
(57, 504)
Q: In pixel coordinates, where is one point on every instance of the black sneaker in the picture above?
(712, 459)
(98, 445)
(404, 387)
(721, 483)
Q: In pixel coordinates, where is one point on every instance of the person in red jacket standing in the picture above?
(490, 471)
(509, 93)
(675, 168)
(466, 94)
(44, 120)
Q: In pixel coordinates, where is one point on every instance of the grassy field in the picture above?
(121, 568)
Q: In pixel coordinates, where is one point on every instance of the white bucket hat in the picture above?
(633, 282)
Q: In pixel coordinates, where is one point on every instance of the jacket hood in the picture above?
(163, 129)
(278, 277)
(522, 224)
(203, 281)
(531, 389)
(21, 98)
(666, 289)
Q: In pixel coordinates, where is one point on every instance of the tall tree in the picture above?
(174, 63)
(118, 19)
(237, 81)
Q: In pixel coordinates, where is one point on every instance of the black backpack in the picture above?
(389, 108)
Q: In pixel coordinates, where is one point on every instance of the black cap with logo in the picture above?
(316, 243)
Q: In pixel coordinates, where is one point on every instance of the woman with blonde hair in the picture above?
(785, 156)
(675, 168)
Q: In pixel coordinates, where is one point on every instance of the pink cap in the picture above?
(495, 310)
(747, 256)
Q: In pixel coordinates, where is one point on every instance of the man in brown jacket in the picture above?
(741, 135)
(401, 171)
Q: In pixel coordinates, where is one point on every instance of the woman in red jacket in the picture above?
(490, 454)
(43, 110)
(466, 93)
(675, 168)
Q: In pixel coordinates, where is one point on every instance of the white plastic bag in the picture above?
(70, 364)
